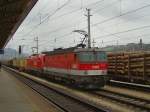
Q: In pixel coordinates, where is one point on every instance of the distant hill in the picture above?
(10, 53)
(128, 47)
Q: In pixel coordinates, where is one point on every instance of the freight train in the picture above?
(82, 67)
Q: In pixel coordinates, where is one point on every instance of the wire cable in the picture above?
(125, 31)
(123, 14)
(58, 17)
(50, 15)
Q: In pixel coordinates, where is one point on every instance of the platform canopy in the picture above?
(12, 14)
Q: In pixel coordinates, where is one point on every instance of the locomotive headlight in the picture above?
(74, 66)
(95, 67)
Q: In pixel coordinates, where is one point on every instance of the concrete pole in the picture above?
(89, 28)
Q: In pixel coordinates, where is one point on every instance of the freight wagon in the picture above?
(130, 66)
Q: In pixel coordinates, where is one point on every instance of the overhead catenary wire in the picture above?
(101, 22)
(36, 26)
(76, 10)
(62, 28)
(59, 8)
(106, 6)
(120, 37)
(129, 38)
(112, 18)
(123, 14)
(112, 34)
(58, 17)
(50, 15)
(125, 31)
(32, 19)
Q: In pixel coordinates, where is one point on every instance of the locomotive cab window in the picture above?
(101, 56)
(86, 56)
(92, 56)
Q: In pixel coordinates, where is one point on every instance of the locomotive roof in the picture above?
(88, 49)
(59, 51)
(71, 49)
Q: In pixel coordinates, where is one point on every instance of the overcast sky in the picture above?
(112, 22)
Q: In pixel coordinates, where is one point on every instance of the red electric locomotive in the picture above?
(35, 63)
(83, 67)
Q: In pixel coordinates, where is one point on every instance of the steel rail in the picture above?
(140, 103)
(141, 87)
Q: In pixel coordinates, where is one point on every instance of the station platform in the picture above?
(17, 97)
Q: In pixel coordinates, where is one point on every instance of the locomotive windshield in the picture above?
(92, 56)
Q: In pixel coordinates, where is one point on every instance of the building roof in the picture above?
(12, 14)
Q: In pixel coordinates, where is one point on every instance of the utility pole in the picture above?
(141, 44)
(37, 44)
(117, 46)
(93, 43)
(89, 27)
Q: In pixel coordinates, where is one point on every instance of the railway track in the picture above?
(142, 104)
(65, 102)
(130, 85)
(69, 103)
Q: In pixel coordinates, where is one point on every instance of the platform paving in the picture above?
(16, 98)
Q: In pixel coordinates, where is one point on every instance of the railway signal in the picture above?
(1, 51)
(20, 49)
